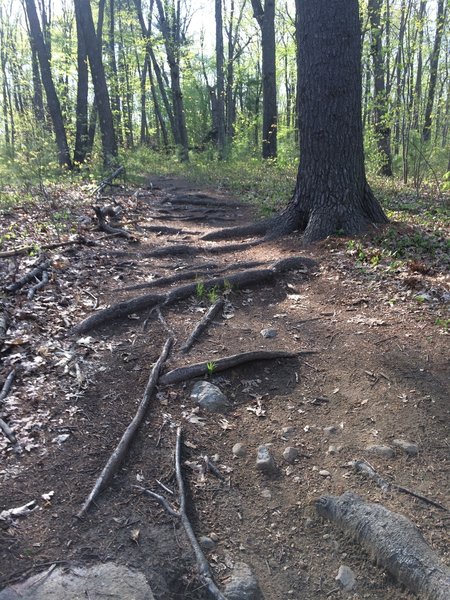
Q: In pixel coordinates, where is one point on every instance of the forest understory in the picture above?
(351, 337)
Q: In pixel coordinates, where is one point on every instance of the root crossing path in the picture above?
(318, 369)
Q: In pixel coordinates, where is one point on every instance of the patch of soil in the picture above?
(379, 372)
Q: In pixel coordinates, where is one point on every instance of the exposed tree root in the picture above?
(195, 273)
(243, 231)
(184, 250)
(393, 541)
(238, 280)
(204, 569)
(121, 449)
(14, 287)
(202, 325)
(202, 201)
(167, 230)
(107, 228)
(4, 324)
(7, 386)
(222, 364)
(363, 466)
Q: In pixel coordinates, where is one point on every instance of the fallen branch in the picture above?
(108, 180)
(207, 318)
(363, 466)
(107, 228)
(121, 449)
(8, 432)
(4, 324)
(393, 541)
(14, 287)
(205, 572)
(236, 281)
(35, 288)
(51, 246)
(7, 386)
(222, 364)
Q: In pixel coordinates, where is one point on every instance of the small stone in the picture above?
(324, 473)
(266, 493)
(265, 461)
(243, 584)
(239, 450)
(209, 397)
(332, 430)
(207, 543)
(290, 454)
(60, 439)
(382, 451)
(346, 578)
(214, 536)
(269, 333)
(332, 449)
(287, 431)
(408, 447)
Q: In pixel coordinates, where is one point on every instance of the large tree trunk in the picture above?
(332, 194)
(53, 103)
(93, 49)
(381, 125)
(266, 20)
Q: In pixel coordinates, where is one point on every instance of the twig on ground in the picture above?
(363, 466)
(7, 385)
(35, 288)
(14, 287)
(221, 364)
(8, 432)
(121, 449)
(50, 246)
(206, 320)
(210, 466)
(205, 572)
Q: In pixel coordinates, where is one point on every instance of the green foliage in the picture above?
(210, 367)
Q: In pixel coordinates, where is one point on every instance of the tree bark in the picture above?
(93, 49)
(53, 103)
(266, 20)
(332, 194)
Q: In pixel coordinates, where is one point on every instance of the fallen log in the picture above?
(108, 180)
(121, 449)
(393, 541)
(236, 281)
(204, 569)
(202, 324)
(17, 285)
(222, 364)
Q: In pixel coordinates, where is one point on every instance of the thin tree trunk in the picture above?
(93, 49)
(266, 20)
(220, 81)
(419, 74)
(114, 80)
(434, 61)
(81, 133)
(53, 103)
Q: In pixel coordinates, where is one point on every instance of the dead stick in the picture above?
(14, 287)
(121, 449)
(50, 246)
(7, 385)
(202, 324)
(363, 466)
(8, 432)
(32, 291)
(205, 573)
(221, 364)
(108, 180)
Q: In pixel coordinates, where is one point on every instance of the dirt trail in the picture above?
(379, 373)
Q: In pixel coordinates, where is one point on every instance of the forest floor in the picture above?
(377, 330)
